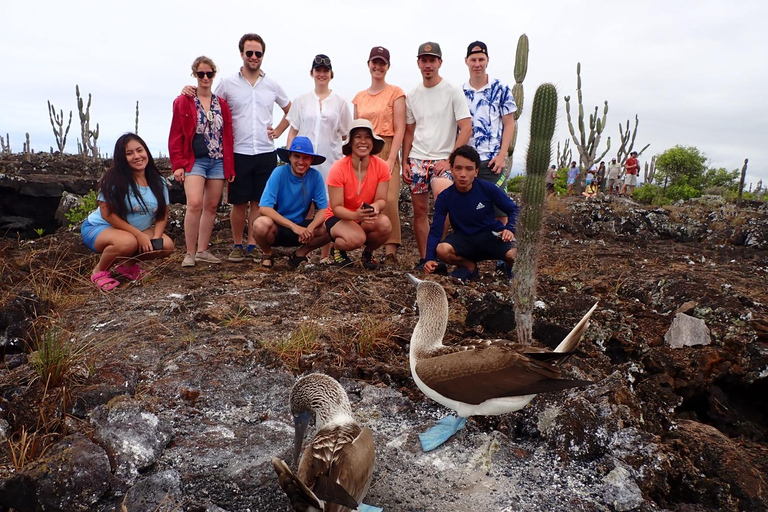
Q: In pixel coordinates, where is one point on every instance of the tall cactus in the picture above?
(743, 177)
(543, 119)
(564, 158)
(521, 69)
(587, 144)
(57, 123)
(628, 136)
(136, 130)
(650, 171)
(88, 136)
(5, 145)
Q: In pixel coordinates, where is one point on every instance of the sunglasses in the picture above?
(251, 53)
(208, 74)
(323, 61)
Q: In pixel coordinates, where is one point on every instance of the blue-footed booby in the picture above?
(479, 377)
(336, 468)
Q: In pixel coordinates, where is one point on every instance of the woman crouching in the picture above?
(133, 211)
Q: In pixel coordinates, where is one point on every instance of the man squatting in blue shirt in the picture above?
(477, 234)
(285, 203)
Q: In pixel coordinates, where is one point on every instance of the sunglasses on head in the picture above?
(208, 74)
(323, 61)
(251, 53)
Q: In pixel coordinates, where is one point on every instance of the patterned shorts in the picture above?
(423, 173)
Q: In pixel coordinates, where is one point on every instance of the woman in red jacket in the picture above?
(201, 148)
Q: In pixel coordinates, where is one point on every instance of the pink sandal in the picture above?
(104, 281)
(132, 272)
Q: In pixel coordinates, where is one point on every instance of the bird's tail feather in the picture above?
(574, 337)
(300, 496)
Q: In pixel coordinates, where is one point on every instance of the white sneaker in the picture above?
(189, 260)
(206, 257)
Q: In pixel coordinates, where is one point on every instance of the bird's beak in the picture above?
(300, 423)
(414, 280)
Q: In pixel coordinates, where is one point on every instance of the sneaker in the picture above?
(500, 266)
(251, 252)
(369, 263)
(390, 260)
(189, 260)
(237, 255)
(206, 257)
(506, 270)
(294, 260)
(419, 266)
(464, 274)
(340, 258)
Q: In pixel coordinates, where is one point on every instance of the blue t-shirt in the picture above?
(470, 212)
(291, 196)
(137, 216)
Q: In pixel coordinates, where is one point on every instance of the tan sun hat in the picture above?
(378, 142)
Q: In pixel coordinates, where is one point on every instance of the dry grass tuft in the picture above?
(304, 339)
(370, 336)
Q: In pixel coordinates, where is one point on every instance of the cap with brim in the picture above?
(379, 52)
(300, 145)
(378, 142)
(430, 48)
(477, 47)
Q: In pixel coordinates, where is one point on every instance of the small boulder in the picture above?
(687, 331)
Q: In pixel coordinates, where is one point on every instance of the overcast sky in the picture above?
(692, 70)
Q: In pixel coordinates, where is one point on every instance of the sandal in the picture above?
(294, 260)
(104, 281)
(130, 272)
(266, 261)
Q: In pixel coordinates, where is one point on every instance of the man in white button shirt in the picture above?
(251, 95)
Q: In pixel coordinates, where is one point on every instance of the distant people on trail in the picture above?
(437, 122)
(357, 191)
(383, 105)
(477, 234)
(290, 192)
(600, 178)
(128, 225)
(573, 174)
(250, 94)
(614, 170)
(591, 189)
(549, 180)
(590, 178)
(201, 149)
(631, 167)
(492, 108)
(323, 116)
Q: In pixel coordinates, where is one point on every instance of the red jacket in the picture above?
(183, 127)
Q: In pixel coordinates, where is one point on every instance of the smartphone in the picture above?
(366, 206)
(157, 244)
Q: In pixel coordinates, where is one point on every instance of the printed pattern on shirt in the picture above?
(487, 106)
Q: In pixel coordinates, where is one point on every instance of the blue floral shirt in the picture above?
(211, 126)
(487, 106)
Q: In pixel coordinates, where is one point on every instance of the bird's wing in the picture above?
(353, 470)
(475, 375)
(320, 459)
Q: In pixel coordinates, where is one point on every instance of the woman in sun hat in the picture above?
(383, 105)
(357, 192)
(201, 148)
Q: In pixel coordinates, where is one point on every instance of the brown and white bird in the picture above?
(336, 468)
(489, 377)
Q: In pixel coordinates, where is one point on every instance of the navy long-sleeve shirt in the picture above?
(470, 212)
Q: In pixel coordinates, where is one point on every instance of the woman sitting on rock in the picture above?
(133, 211)
(357, 192)
(201, 148)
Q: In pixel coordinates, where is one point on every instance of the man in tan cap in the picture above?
(435, 112)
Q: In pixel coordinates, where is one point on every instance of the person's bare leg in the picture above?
(420, 222)
(447, 253)
(237, 221)
(211, 197)
(194, 189)
(377, 233)
(253, 214)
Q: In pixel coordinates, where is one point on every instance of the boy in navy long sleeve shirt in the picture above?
(477, 234)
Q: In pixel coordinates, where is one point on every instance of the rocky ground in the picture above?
(177, 396)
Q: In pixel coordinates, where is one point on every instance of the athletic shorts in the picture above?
(423, 172)
(630, 180)
(251, 175)
(90, 233)
(480, 246)
(208, 168)
(285, 237)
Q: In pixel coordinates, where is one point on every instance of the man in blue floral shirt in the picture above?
(492, 108)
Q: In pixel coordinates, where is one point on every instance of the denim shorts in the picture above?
(89, 232)
(208, 168)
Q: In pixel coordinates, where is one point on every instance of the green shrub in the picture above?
(80, 212)
(681, 191)
(515, 184)
(650, 194)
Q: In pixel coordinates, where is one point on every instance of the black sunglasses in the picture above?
(323, 61)
(209, 74)
(251, 53)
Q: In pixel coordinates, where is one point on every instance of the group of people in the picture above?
(339, 187)
(609, 178)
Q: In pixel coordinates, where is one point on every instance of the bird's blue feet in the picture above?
(441, 432)
(368, 508)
